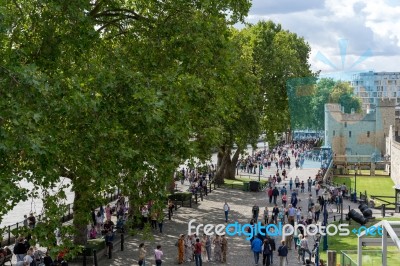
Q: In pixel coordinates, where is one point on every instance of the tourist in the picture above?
(217, 249)
(302, 187)
(181, 248)
(275, 194)
(20, 249)
(93, 233)
(299, 249)
(160, 221)
(197, 253)
(108, 212)
(158, 255)
(317, 188)
(297, 182)
(31, 221)
(47, 260)
(291, 214)
(99, 222)
(291, 183)
(317, 211)
(145, 215)
(270, 194)
(153, 218)
(208, 248)
(294, 200)
(25, 221)
(271, 241)
(298, 214)
(170, 207)
(255, 211)
(188, 249)
(256, 247)
(224, 248)
(142, 254)
(266, 215)
(27, 260)
(282, 253)
(304, 247)
(226, 210)
(284, 199)
(203, 248)
(275, 213)
(267, 251)
(309, 183)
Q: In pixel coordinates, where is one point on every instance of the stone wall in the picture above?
(395, 162)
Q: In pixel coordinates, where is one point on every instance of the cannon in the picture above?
(357, 217)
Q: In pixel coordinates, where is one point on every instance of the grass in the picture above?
(238, 182)
(367, 172)
(349, 243)
(374, 185)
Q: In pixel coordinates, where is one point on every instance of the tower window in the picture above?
(349, 134)
(368, 133)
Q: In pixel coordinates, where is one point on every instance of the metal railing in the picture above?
(346, 258)
(8, 236)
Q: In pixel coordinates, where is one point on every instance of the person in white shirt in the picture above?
(226, 210)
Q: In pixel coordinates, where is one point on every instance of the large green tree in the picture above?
(109, 93)
(272, 56)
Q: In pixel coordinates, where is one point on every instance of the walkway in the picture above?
(210, 211)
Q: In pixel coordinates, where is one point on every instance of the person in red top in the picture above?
(197, 252)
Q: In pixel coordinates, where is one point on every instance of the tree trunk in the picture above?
(227, 166)
(81, 214)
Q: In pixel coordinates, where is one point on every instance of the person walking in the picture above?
(267, 251)
(304, 248)
(309, 183)
(226, 210)
(203, 248)
(197, 253)
(270, 194)
(266, 215)
(275, 212)
(142, 254)
(256, 247)
(275, 193)
(282, 253)
(217, 249)
(158, 254)
(208, 248)
(224, 248)
(181, 249)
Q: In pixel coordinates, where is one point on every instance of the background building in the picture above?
(359, 133)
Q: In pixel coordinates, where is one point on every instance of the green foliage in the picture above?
(110, 93)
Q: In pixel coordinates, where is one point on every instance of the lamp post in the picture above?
(355, 179)
(325, 243)
(259, 172)
(317, 249)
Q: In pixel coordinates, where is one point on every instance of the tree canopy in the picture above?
(118, 93)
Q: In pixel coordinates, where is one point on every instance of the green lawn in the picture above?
(374, 185)
(346, 243)
(367, 172)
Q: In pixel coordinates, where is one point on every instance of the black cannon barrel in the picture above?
(357, 217)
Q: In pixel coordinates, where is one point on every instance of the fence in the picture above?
(8, 237)
(370, 257)
(346, 258)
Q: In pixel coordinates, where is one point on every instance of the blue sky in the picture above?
(366, 27)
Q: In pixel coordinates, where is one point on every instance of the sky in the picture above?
(364, 33)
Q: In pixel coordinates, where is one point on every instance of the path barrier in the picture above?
(9, 237)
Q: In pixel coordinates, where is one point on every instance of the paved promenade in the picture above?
(210, 211)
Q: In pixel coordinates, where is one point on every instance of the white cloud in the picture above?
(365, 24)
